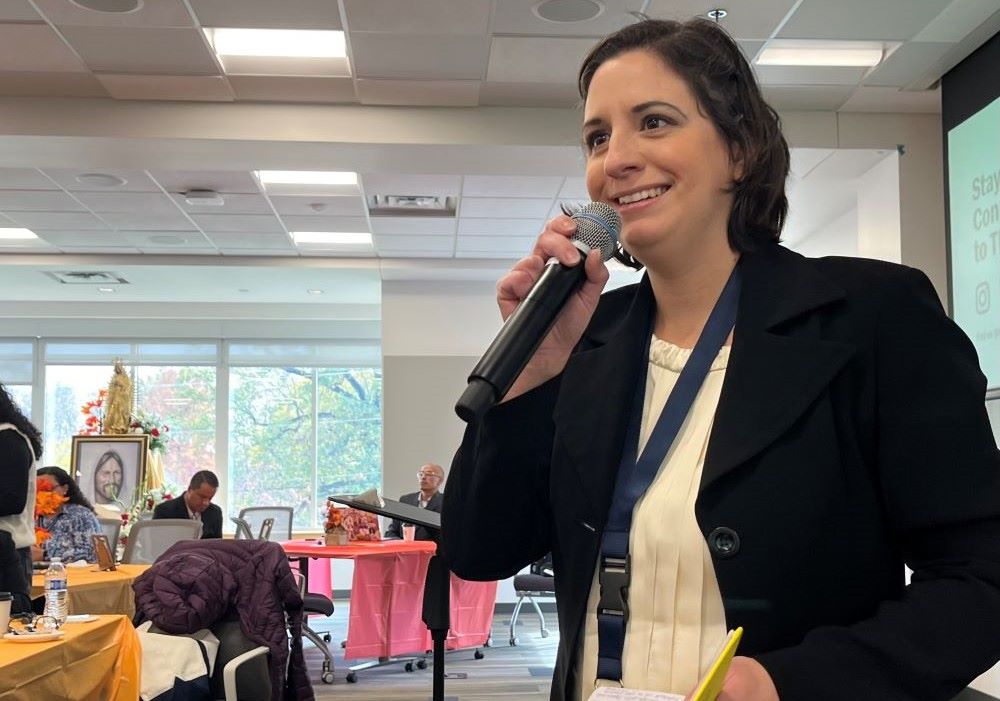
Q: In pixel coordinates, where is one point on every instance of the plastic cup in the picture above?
(5, 601)
(409, 532)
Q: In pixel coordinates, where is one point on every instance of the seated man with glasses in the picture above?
(431, 478)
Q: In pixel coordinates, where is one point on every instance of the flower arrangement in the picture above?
(154, 428)
(47, 503)
(334, 527)
(93, 415)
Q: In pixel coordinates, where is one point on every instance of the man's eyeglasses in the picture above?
(428, 474)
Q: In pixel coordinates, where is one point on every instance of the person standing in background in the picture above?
(20, 448)
(431, 477)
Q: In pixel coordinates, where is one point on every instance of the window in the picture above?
(298, 435)
(16, 363)
(67, 388)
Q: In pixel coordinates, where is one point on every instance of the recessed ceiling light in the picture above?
(332, 238)
(301, 43)
(100, 180)
(17, 234)
(105, 289)
(203, 198)
(315, 292)
(564, 11)
(309, 182)
(850, 54)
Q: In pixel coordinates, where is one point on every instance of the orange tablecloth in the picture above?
(96, 660)
(387, 598)
(97, 592)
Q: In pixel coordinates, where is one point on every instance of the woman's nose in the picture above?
(622, 157)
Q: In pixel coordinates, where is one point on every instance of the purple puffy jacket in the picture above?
(196, 581)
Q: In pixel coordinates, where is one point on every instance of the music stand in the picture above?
(437, 585)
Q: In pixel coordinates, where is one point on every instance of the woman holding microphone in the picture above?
(745, 438)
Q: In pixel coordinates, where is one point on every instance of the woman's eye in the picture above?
(596, 139)
(654, 122)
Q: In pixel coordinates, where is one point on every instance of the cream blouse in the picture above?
(676, 620)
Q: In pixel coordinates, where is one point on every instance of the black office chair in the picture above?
(540, 581)
(313, 603)
(281, 516)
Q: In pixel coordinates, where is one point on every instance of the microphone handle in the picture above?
(519, 338)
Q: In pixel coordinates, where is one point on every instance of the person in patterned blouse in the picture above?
(72, 526)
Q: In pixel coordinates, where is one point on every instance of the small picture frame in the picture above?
(110, 469)
(105, 558)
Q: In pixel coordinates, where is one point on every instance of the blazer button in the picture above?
(724, 542)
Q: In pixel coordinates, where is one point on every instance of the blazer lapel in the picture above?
(776, 368)
(596, 395)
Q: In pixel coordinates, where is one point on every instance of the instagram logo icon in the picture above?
(982, 298)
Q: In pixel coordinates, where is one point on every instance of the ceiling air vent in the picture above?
(86, 277)
(411, 206)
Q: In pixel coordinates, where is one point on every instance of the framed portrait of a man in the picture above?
(110, 469)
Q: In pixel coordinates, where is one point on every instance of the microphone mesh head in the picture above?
(597, 225)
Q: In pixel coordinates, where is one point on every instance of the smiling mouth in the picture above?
(641, 195)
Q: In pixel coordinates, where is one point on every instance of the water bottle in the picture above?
(56, 593)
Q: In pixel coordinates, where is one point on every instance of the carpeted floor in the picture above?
(520, 673)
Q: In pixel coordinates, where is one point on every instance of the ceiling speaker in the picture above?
(568, 10)
(113, 6)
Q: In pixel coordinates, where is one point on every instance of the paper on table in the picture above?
(79, 563)
(707, 690)
(370, 497)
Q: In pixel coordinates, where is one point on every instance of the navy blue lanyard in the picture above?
(635, 476)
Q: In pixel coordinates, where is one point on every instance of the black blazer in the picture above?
(211, 518)
(850, 438)
(395, 529)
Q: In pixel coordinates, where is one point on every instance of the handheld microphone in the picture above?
(597, 227)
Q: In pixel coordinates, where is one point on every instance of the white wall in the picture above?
(838, 238)
(878, 216)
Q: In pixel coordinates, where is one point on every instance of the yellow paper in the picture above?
(711, 684)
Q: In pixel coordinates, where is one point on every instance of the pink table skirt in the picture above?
(386, 601)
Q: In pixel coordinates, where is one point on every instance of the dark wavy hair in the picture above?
(11, 414)
(710, 62)
(62, 477)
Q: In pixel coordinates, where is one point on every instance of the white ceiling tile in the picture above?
(18, 11)
(142, 50)
(289, 252)
(797, 97)
(318, 206)
(910, 62)
(420, 56)
(861, 20)
(24, 179)
(160, 13)
(536, 59)
(530, 94)
(321, 223)
(510, 186)
(37, 221)
(200, 88)
(444, 93)
(144, 221)
(31, 84)
(359, 252)
(871, 99)
(574, 188)
(268, 14)
(81, 239)
(224, 181)
(164, 240)
(100, 250)
(35, 48)
(232, 204)
(433, 226)
(256, 223)
(517, 245)
(252, 240)
(517, 17)
(138, 202)
(405, 253)
(501, 227)
(417, 244)
(958, 20)
(269, 88)
(745, 20)
(38, 201)
(393, 184)
(809, 75)
(418, 16)
(26, 246)
(510, 207)
(135, 180)
(181, 250)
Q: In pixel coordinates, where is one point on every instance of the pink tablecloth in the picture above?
(387, 597)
